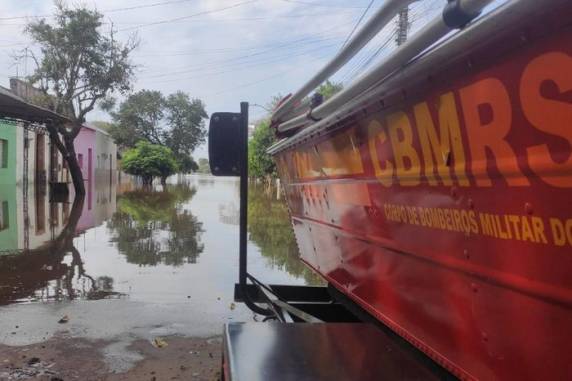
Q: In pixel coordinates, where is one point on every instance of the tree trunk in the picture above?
(73, 166)
(68, 153)
(163, 181)
(147, 180)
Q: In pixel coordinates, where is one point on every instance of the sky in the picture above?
(221, 51)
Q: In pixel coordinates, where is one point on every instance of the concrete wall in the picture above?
(106, 158)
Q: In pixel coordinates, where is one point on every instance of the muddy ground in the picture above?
(66, 359)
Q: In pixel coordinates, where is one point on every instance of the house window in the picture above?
(3, 153)
(4, 222)
(80, 160)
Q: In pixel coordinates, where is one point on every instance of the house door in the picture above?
(40, 159)
(89, 164)
(89, 177)
(54, 165)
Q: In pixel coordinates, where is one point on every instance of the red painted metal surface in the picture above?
(447, 213)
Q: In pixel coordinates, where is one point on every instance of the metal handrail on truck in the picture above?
(457, 14)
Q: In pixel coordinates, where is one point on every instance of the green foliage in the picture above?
(187, 164)
(328, 89)
(148, 161)
(80, 63)
(176, 121)
(204, 166)
(260, 163)
(185, 118)
(138, 118)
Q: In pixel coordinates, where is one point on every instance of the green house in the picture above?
(8, 146)
(8, 219)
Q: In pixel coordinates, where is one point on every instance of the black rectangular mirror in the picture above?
(225, 140)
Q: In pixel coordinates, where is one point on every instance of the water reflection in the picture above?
(43, 263)
(123, 241)
(38, 259)
(153, 227)
(270, 228)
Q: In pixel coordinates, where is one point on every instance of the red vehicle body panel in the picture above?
(445, 210)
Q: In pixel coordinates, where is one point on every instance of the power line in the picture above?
(145, 6)
(265, 79)
(358, 22)
(308, 44)
(325, 33)
(236, 67)
(320, 5)
(321, 14)
(190, 16)
(365, 60)
(105, 11)
(418, 12)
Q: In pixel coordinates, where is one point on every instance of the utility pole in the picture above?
(402, 26)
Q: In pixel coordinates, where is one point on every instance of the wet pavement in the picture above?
(129, 266)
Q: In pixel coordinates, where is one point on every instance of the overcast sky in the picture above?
(221, 51)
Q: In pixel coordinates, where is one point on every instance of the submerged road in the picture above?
(146, 286)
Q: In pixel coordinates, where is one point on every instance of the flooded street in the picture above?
(138, 265)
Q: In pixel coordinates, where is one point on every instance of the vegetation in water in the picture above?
(260, 164)
(176, 121)
(149, 161)
(152, 227)
(204, 166)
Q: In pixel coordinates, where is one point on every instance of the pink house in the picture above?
(97, 157)
(85, 149)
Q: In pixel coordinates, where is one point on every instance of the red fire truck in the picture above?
(434, 195)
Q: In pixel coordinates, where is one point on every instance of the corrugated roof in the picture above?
(12, 106)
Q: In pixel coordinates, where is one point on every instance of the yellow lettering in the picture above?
(445, 146)
(406, 158)
(377, 133)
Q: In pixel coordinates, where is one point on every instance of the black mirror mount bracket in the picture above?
(228, 156)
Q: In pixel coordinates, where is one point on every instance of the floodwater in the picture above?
(136, 264)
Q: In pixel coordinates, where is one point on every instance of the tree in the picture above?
(149, 161)
(176, 121)
(187, 164)
(185, 118)
(138, 118)
(260, 163)
(328, 89)
(204, 166)
(79, 65)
